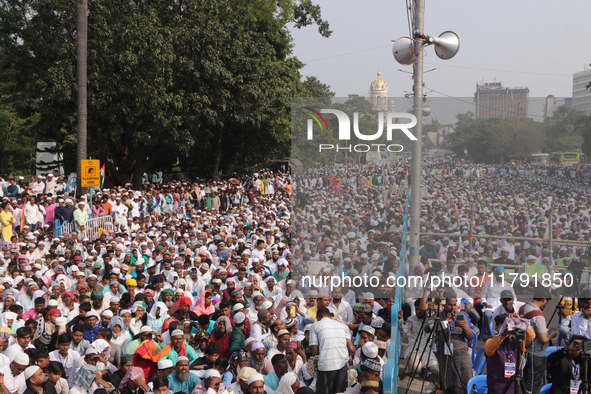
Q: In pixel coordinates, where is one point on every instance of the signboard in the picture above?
(91, 176)
(314, 267)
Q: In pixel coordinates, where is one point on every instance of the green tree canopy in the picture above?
(204, 84)
(497, 140)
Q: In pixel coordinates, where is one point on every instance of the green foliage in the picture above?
(564, 131)
(17, 143)
(585, 127)
(497, 140)
(206, 84)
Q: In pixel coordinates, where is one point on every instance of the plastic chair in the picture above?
(477, 357)
(545, 389)
(478, 384)
(480, 367)
(551, 349)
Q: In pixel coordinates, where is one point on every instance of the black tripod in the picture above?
(517, 378)
(437, 331)
(584, 387)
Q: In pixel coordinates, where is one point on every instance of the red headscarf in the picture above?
(184, 301)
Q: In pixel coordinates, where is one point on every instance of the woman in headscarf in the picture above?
(205, 306)
(157, 316)
(121, 336)
(134, 382)
(68, 307)
(288, 384)
(238, 360)
(139, 315)
(221, 334)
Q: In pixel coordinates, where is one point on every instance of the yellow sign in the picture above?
(91, 175)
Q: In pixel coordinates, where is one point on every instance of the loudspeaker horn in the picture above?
(404, 50)
(447, 45)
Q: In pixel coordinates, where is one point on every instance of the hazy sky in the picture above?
(538, 44)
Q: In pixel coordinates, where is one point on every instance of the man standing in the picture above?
(80, 217)
(331, 341)
(343, 309)
(536, 355)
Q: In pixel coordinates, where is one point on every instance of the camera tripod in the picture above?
(584, 387)
(517, 378)
(437, 331)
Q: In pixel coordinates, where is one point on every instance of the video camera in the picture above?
(519, 335)
(584, 346)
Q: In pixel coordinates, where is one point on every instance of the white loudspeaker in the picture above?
(404, 50)
(447, 45)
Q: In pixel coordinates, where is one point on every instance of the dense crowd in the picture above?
(350, 218)
(212, 287)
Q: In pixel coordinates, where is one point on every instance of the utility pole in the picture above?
(415, 187)
(81, 53)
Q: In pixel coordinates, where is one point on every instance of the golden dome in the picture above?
(378, 83)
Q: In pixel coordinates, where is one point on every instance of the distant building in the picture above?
(494, 101)
(378, 95)
(438, 132)
(552, 104)
(582, 94)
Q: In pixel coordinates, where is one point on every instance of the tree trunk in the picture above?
(218, 156)
(81, 52)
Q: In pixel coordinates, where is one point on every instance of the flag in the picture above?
(102, 175)
(23, 217)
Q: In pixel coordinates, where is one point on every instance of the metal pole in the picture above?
(415, 187)
(471, 225)
(81, 53)
(550, 238)
(556, 241)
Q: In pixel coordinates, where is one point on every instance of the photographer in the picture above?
(419, 342)
(563, 366)
(533, 373)
(503, 353)
(455, 367)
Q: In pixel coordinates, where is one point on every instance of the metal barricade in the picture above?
(92, 228)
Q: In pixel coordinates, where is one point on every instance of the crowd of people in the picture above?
(350, 218)
(217, 287)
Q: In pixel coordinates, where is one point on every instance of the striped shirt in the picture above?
(331, 338)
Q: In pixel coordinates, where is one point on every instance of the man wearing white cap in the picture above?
(36, 381)
(165, 369)
(256, 383)
(179, 348)
(212, 384)
(181, 379)
(14, 378)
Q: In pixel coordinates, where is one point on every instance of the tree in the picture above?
(205, 84)
(585, 127)
(564, 130)
(497, 140)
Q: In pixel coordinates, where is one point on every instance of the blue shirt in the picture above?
(272, 381)
(91, 334)
(187, 386)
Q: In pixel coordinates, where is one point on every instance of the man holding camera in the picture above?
(503, 352)
(535, 369)
(454, 359)
(563, 366)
